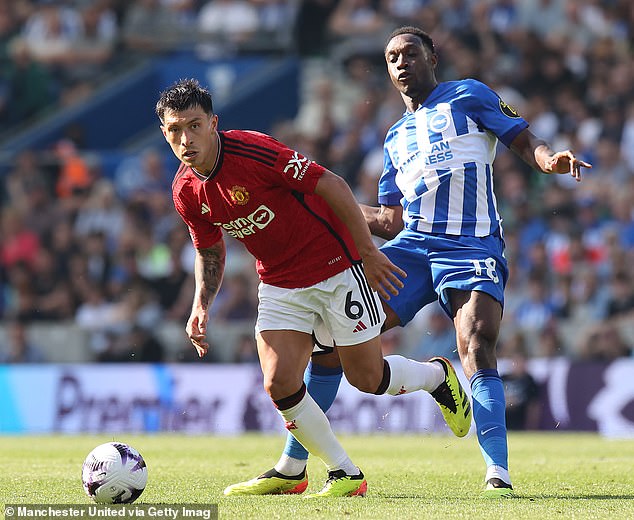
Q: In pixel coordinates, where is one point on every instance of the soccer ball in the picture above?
(114, 473)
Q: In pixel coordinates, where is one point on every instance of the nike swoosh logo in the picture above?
(484, 432)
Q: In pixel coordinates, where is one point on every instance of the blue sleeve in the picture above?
(489, 111)
(389, 192)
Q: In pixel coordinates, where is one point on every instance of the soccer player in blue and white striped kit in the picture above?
(438, 211)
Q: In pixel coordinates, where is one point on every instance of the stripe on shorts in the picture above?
(366, 293)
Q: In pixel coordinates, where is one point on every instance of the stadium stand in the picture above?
(101, 275)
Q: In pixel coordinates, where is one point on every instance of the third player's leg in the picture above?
(477, 318)
(363, 365)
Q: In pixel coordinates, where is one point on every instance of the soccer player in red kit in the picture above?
(316, 261)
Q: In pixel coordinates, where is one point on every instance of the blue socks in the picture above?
(322, 384)
(487, 394)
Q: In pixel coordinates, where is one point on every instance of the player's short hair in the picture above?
(409, 29)
(184, 94)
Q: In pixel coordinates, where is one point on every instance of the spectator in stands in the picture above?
(237, 300)
(536, 309)
(623, 213)
(53, 291)
(225, 25)
(98, 316)
(367, 178)
(20, 298)
(138, 345)
(246, 349)
(61, 242)
(621, 300)
(100, 212)
(98, 262)
(51, 33)
(153, 258)
(438, 337)
(275, 17)
(75, 176)
(9, 28)
(310, 29)
(17, 348)
(550, 343)
(18, 243)
(141, 174)
(589, 295)
(185, 11)
(25, 176)
(521, 391)
(356, 18)
(95, 48)
(29, 87)
(174, 290)
(605, 343)
(150, 27)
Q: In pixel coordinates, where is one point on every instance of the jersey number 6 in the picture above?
(354, 309)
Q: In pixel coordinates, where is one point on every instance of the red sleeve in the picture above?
(202, 233)
(299, 173)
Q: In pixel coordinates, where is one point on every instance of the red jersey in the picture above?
(262, 193)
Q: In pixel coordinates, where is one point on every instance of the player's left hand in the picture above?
(383, 276)
(564, 162)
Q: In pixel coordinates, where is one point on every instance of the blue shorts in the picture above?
(436, 262)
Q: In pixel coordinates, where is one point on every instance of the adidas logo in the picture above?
(360, 326)
(205, 209)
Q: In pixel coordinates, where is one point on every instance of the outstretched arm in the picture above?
(208, 271)
(537, 154)
(385, 222)
(383, 275)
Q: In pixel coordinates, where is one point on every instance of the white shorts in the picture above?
(344, 305)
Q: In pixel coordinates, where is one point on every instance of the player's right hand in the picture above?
(197, 331)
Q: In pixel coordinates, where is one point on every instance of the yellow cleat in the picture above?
(340, 484)
(452, 399)
(271, 483)
(497, 488)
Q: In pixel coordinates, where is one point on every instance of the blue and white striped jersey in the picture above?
(438, 160)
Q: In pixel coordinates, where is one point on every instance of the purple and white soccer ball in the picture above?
(114, 473)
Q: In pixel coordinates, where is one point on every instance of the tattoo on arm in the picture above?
(209, 270)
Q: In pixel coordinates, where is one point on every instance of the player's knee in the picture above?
(278, 387)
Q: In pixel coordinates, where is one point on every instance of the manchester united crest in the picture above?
(239, 195)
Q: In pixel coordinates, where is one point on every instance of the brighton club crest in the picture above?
(239, 195)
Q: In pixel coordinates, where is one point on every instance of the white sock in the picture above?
(310, 426)
(407, 375)
(290, 466)
(498, 472)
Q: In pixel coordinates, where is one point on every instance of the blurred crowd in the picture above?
(109, 253)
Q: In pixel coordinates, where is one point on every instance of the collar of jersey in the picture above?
(217, 164)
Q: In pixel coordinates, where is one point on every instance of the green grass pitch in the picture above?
(556, 475)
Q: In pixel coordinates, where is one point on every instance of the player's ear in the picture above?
(213, 122)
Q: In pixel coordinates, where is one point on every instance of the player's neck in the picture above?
(206, 172)
(415, 102)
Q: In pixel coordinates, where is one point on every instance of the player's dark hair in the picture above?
(184, 94)
(409, 29)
